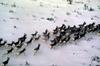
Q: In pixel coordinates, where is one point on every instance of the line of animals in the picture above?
(64, 34)
(61, 36)
(19, 45)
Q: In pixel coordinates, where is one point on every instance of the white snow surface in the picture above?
(31, 15)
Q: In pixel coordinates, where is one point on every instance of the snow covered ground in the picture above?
(29, 16)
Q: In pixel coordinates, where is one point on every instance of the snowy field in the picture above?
(27, 16)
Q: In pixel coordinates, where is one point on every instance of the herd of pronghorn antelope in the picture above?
(62, 35)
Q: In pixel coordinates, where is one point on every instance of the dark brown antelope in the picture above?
(16, 43)
(28, 42)
(10, 50)
(34, 34)
(6, 62)
(46, 31)
(22, 51)
(37, 38)
(37, 48)
(19, 46)
(10, 44)
(3, 44)
(22, 39)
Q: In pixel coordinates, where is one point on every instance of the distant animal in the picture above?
(62, 27)
(54, 41)
(58, 38)
(89, 27)
(76, 36)
(56, 29)
(19, 46)
(34, 34)
(3, 44)
(10, 50)
(23, 50)
(28, 42)
(55, 32)
(94, 29)
(46, 31)
(22, 39)
(37, 48)
(82, 34)
(62, 33)
(47, 36)
(82, 25)
(63, 39)
(16, 43)
(53, 44)
(22, 36)
(37, 38)
(6, 62)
